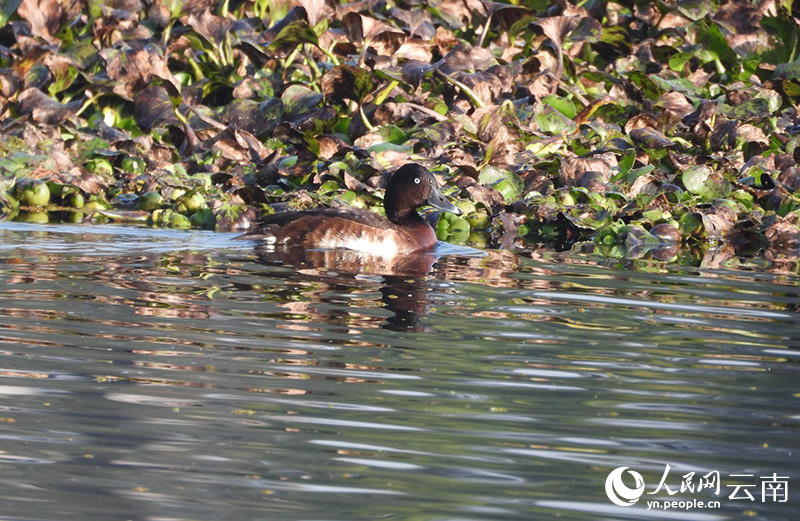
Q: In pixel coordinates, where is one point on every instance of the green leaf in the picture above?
(554, 122)
(521, 25)
(617, 38)
(83, 52)
(298, 99)
(562, 105)
(328, 187)
(694, 178)
(626, 162)
(8, 8)
(294, 34)
(678, 61)
(638, 172)
(649, 87)
(452, 228)
(507, 183)
(788, 71)
(751, 110)
(703, 181)
(588, 30)
(679, 84)
(709, 36)
(785, 29)
(391, 134)
(694, 9)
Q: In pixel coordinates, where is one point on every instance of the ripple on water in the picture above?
(155, 374)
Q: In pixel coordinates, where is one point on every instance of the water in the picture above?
(151, 375)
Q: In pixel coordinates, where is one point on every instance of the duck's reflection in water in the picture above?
(403, 279)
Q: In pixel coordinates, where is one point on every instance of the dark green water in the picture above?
(159, 375)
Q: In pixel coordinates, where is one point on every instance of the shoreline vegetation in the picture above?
(664, 130)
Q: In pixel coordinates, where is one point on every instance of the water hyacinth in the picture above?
(618, 126)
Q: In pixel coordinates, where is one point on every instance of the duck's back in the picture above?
(349, 228)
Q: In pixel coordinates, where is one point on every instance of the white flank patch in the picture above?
(385, 246)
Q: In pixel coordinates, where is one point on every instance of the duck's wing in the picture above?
(357, 215)
(298, 225)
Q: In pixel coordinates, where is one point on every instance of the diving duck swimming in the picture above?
(403, 230)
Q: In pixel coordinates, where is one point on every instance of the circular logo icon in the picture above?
(619, 493)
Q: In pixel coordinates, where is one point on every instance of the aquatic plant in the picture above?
(638, 127)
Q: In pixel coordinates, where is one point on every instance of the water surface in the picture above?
(150, 374)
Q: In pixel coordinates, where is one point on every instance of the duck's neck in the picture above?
(399, 215)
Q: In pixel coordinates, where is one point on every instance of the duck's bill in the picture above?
(438, 200)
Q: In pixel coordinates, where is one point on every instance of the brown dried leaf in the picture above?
(251, 143)
(485, 195)
(119, 23)
(593, 181)
(152, 106)
(666, 232)
(257, 118)
(543, 84)
(158, 13)
(318, 10)
(490, 120)
(488, 85)
(135, 68)
(385, 39)
(229, 222)
(10, 83)
(346, 82)
(415, 49)
(330, 145)
(738, 17)
(44, 109)
(191, 6)
(45, 17)
(418, 22)
(557, 28)
(386, 160)
(644, 184)
(387, 43)
(230, 149)
(784, 235)
(89, 183)
(572, 168)
(504, 15)
(790, 177)
(351, 183)
(724, 135)
(455, 13)
(538, 182)
(457, 60)
(675, 102)
(237, 145)
(752, 134)
(650, 138)
(213, 28)
(640, 121)
(717, 221)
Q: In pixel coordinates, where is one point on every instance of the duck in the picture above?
(402, 231)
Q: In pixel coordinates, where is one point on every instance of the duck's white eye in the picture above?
(416, 180)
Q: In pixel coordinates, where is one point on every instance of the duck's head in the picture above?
(409, 188)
